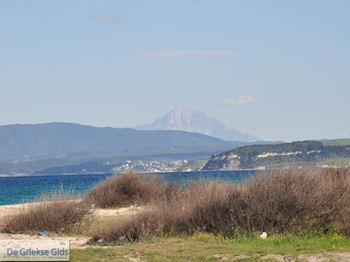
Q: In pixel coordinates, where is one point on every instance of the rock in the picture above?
(44, 233)
(263, 235)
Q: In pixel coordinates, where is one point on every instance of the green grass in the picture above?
(193, 164)
(207, 247)
(341, 161)
(338, 142)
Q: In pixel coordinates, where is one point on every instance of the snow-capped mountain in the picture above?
(185, 119)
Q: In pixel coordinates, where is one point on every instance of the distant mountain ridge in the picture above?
(301, 153)
(52, 139)
(184, 119)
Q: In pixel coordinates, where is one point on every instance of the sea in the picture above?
(24, 189)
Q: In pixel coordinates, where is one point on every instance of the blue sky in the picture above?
(278, 70)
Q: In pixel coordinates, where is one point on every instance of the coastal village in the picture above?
(159, 166)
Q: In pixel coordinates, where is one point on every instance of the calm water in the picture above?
(15, 190)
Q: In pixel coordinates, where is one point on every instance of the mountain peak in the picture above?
(186, 119)
(181, 110)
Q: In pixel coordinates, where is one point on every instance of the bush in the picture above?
(58, 213)
(126, 189)
(289, 201)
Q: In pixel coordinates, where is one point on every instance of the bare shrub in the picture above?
(293, 201)
(126, 189)
(288, 201)
(132, 228)
(299, 200)
(57, 212)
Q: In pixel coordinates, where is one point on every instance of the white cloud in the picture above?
(194, 52)
(227, 101)
(241, 100)
(245, 100)
(107, 18)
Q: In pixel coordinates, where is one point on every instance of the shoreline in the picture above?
(63, 174)
(27, 204)
(146, 172)
(159, 172)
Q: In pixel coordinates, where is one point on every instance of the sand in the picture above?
(7, 210)
(75, 242)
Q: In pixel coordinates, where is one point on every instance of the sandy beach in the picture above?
(75, 241)
(8, 210)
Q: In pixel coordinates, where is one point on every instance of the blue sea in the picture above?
(16, 190)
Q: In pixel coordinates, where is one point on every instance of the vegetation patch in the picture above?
(206, 247)
(56, 213)
(303, 153)
(290, 201)
(126, 189)
(338, 142)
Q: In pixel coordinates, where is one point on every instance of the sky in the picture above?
(278, 70)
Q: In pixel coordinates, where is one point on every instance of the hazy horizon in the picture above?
(275, 70)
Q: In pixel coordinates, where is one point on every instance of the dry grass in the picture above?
(126, 189)
(290, 201)
(56, 212)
